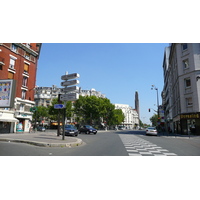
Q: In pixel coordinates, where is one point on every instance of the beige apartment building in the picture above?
(181, 93)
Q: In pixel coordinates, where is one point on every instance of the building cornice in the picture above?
(24, 47)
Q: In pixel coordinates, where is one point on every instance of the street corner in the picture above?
(78, 142)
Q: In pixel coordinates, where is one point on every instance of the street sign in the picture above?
(70, 76)
(69, 97)
(33, 109)
(70, 89)
(59, 106)
(68, 83)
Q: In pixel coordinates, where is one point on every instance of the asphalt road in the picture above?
(101, 144)
(107, 144)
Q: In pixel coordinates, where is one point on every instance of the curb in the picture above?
(43, 144)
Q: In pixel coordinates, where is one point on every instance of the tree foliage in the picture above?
(40, 113)
(53, 113)
(92, 109)
(154, 120)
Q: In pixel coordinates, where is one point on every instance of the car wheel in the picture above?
(88, 132)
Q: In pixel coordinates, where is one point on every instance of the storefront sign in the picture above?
(190, 116)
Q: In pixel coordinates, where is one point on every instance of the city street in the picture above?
(112, 143)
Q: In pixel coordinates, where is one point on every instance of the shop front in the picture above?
(7, 122)
(190, 123)
(24, 122)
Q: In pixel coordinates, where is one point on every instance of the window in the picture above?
(21, 108)
(184, 46)
(23, 94)
(24, 81)
(10, 75)
(12, 63)
(27, 55)
(189, 102)
(185, 64)
(28, 45)
(187, 82)
(26, 67)
(14, 48)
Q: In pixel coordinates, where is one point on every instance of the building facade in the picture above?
(45, 95)
(131, 120)
(18, 61)
(181, 93)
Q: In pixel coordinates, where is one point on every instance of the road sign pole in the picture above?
(68, 97)
(64, 117)
(58, 130)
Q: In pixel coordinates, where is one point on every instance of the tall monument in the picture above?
(137, 107)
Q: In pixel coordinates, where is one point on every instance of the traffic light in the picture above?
(149, 110)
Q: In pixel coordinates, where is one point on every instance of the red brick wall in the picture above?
(19, 69)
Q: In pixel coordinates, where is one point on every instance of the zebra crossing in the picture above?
(137, 146)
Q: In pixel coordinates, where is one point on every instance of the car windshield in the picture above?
(152, 128)
(87, 126)
(70, 126)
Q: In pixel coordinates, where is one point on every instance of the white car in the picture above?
(151, 131)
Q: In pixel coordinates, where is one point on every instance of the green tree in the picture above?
(118, 117)
(40, 114)
(141, 123)
(92, 109)
(53, 113)
(154, 120)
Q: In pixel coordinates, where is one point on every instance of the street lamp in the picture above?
(153, 87)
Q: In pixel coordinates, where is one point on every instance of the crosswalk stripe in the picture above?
(136, 146)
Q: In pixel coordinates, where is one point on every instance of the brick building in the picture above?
(18, 61)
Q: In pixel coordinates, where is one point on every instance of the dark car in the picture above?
(87, 129)
(41, 128)
(71, 130)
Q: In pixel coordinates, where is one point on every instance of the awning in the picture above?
(10, 119)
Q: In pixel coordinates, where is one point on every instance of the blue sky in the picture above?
(115, 69)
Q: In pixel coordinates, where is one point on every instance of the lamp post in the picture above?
(153, 87)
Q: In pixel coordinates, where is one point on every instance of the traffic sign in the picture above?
(69, 97)
(70, 76)
(59, 106)
(68, 83)
(33, 109)
(70, 89)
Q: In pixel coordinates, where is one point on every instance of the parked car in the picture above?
(71, 130)
(41, 128)
(121, 127)
(151, 131)
(87, 129)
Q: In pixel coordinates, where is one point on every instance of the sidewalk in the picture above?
(174, 135)
(42, 139)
